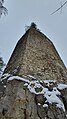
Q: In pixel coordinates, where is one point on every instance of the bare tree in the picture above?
(3, 9)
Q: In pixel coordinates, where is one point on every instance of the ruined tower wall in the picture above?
(41, 58)
(36, 55)
(17, 56)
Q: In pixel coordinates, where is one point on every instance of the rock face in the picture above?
(33, 85)
(28, 99)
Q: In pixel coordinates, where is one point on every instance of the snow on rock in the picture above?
(31, 76)
(53, 98)
(5, 76)
(49, 82)
(26, 84)
(17, 78)
(42, 87)
(39, 104)
(45, 105)
(62, 86)
(4, 86)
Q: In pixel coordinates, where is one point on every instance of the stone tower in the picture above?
(33, 85)
(36, 55)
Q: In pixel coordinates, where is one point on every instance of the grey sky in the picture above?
(23, 12)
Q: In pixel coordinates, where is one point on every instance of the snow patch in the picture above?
(39, 104)
(31, 76)
(42, 87)
(5, 76)
(53, 98)
(18, 78)
(4, 86)
(45, 105)
(26, 84)
(62, 86)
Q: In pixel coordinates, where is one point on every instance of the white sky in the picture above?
(22, 13)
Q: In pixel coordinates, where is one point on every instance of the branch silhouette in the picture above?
(59, 8)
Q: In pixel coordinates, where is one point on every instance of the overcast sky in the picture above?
(22, 13)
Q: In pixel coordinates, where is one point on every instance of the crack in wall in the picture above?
(37, 107)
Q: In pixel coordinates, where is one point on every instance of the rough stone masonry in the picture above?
(34, 83)
(36, 55)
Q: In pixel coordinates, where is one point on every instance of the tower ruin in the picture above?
(36, 55)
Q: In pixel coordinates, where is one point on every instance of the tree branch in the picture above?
(59, 8)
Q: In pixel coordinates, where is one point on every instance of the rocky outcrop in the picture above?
(28, 99)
